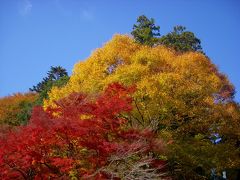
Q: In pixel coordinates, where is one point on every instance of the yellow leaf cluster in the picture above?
(165, 80)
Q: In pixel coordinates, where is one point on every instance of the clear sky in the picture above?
(37, 34)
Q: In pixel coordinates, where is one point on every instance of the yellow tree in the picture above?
(181, 96)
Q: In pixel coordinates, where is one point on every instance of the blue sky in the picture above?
(37, 34)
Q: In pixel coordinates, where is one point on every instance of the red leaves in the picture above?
(64, 164)
(115, 99)
(62, 145)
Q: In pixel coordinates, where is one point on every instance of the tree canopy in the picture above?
(86, 140)
(54, 74)
(181, 40)
(182, 96)
(16, 109)
(136, 108)
(145, 31)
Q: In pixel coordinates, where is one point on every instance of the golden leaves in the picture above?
(165, 80)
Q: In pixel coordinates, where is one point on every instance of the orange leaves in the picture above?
(12, 107)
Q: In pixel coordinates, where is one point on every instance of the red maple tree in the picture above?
(78, 138)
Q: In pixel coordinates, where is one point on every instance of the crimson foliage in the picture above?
(76, 139)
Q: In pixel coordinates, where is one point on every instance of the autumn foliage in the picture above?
(84, 136)
(16, 109)
(90, 129)
(182, 96)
